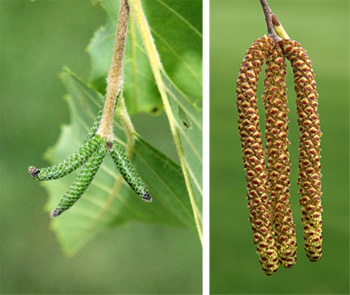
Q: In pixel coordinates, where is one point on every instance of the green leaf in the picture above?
(185, 118)
(176, 27)
(188, 121)
(109, 201)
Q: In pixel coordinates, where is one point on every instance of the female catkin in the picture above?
(278, 163)
(309, 150)
(253, 153)
(83, 180)
(128, 172)
(69, 165)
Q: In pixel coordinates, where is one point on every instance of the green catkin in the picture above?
(95, 125)
(128, 172)
(69, 165)
(83, 180)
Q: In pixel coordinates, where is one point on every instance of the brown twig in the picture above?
(270, 19)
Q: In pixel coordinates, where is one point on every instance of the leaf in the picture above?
(109, 201)
(185, 118)
(188, 119)
(176, 27)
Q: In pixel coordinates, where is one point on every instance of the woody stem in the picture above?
(271, 20)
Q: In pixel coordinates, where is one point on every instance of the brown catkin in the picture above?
(309, 157)
(278, 163)
(253, 153)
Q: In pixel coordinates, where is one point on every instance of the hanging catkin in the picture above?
(100, 137)
(253, 153)
(69, 165)
(82, 182)
(129, 173)
(278, 163)
(309, 150)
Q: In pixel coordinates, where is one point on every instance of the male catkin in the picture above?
(100, 137)
(83, 180)
(309, 150)
(128, 172)
(278, 163)
(95, 125)
(69, 165)
(253, 153)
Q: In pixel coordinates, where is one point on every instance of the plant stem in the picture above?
(157, 69)
(115, 77)
(269, 18)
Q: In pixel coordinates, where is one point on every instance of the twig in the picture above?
(115, 77)
(270, 18)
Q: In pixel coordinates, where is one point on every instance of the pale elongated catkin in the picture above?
(253, 153)
(309, 150)
(278, 162)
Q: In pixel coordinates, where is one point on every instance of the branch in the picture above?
(115, 77)
(274, 28)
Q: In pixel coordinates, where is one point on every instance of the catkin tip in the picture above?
(33, 171)
(147, 197)
(54, 213)
(109, 144)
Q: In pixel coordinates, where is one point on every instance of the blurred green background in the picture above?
(37, 39)
(322, 27)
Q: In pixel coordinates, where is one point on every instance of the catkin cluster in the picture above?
(90, 155)
(268, 183)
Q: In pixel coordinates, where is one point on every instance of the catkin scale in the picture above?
(253, 153)
(128, 172)
(309, 149)
(82, 182)
(278, 162)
